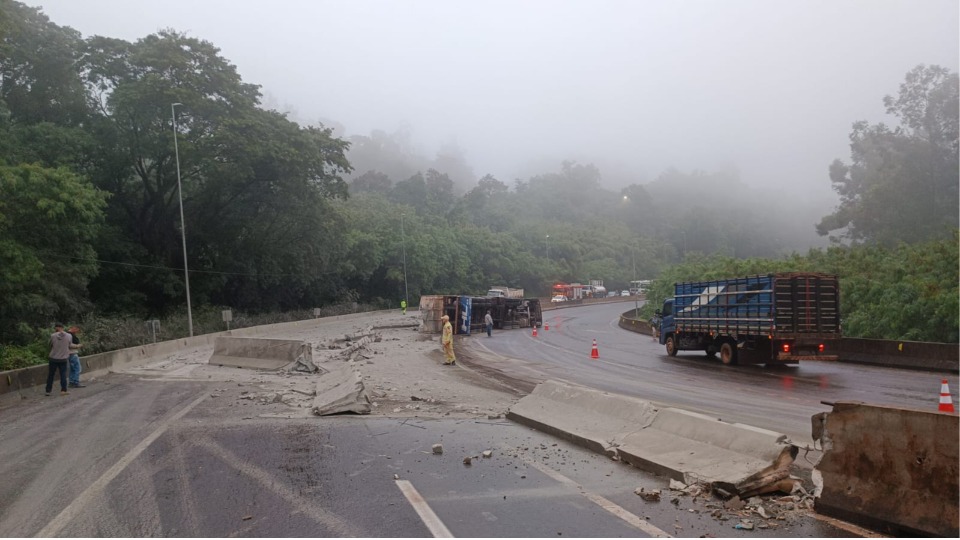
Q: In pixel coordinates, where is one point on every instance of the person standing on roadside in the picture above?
(60, 342)
(75, 367)
(403, 306)
(446, 339)
(488, 322)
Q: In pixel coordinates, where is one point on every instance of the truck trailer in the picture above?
(764, 319)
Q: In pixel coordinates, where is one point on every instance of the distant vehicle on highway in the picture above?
(611, 294)
(558, 298)
(624, 293)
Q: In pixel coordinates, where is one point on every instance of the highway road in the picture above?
(136, 456)
(781, 399)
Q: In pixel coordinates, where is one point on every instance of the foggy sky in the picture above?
(770, 87)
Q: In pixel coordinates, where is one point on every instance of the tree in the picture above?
(254, 183)
(39, 79)
(48, 218)
(901, 184)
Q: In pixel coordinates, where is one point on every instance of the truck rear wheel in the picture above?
(728, 354)
(671, 346)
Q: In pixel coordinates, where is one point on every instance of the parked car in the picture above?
(611, 294)
(624, 293)
(558, 298)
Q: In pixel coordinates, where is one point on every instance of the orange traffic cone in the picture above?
(534, 330)
(594, 353)
(546, 326)
(946, 402)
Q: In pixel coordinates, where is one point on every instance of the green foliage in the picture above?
(48, 218)
(90, 205)
(901, 184)
(909, 292)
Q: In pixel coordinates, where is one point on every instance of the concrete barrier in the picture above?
(916, 355)
(683, 445)
(591, 418)
(893, 470)
(695, 448)
(341, 391)
(260, 353)
(32, 379)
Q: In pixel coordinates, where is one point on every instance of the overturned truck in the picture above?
(467, 312)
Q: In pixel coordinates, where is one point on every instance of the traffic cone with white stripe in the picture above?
(534, 330)
(594, 353)
(946, 402)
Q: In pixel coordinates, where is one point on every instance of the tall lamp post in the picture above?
(636, 300)
(183, 228)
(403, 245)
(548, 246)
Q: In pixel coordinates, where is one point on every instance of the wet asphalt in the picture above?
(134, 457)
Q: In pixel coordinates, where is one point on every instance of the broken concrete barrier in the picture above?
(893, 470)
(683, 445)
(340, 391)
(259, 353)
(591, 418)
(695, 448)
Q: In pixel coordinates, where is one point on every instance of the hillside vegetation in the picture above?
(101, 138)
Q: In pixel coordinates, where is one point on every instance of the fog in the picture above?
(768, 88)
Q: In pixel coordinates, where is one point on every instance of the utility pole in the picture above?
(183, 227)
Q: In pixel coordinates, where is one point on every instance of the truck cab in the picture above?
(666, 325)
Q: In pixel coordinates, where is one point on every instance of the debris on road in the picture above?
(437, 449)
(649, 496)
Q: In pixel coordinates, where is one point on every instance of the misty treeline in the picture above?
(283, 217)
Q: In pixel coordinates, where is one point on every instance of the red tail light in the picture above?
(786, 347)
(820, 347)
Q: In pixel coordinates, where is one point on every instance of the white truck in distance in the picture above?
(505, 292)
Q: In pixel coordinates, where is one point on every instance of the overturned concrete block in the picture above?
(893, 470)
(259, 353)
(340, 391)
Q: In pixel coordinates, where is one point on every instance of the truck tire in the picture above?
(671, 346)
(728, 353)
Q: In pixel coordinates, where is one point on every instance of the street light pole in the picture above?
(403, 245)
(636, 301)
(548, 246)
(183, 228)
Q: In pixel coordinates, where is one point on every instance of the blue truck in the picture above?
(765, 319)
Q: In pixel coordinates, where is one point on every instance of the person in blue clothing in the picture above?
(74, 359)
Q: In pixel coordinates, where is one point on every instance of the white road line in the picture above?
(268, 482)
(73, 509)
(437, 528)
(602, 502)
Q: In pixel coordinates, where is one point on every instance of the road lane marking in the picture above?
(430, 519)
(73, 509)
(268, 482)
(602, 502)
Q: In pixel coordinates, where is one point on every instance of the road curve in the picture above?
(779, 398)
